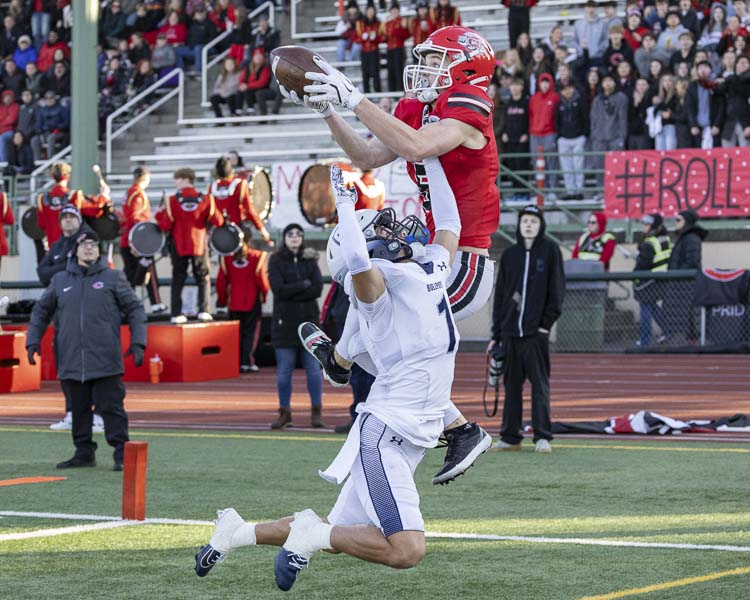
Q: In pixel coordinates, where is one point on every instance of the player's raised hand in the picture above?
(324, 109)
(332, 86)
(343, 194)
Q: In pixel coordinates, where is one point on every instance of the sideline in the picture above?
(116, 521)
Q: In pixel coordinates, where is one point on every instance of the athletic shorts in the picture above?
(380, 490)
(469, 283)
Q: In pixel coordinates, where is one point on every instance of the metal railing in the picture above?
(178, 91)
(267, 7)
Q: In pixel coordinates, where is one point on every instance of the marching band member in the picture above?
(186, 215)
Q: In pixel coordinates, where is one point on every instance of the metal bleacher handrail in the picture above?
(267, 7)
(179, 91)
(248, 136)
(44, 167)
(251, 155)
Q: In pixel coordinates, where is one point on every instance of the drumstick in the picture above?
(98, 172)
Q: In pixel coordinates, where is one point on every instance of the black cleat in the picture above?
(464, 447)
(206, 558)
(286, 567)
(317, 343)
(74, 463)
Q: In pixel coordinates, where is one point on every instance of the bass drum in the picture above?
(316, 201)
(30, 225)
(261, 192)
(107, 226)
(146, 239)
(227, 239)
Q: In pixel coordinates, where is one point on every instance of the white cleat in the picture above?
(64, 424)
(98, 424)
(543, 447)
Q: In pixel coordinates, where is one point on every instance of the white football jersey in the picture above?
(410, 335)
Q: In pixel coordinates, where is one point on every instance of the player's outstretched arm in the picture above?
(444, 208)
(367, 281)
(365, 154)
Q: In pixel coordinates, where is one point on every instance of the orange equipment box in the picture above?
(16, 374)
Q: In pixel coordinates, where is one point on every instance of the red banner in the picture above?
(714, 183)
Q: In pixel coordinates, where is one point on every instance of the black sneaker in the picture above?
(286, 567)
(76, 462)
(317, 343)
(206, 558)
(464, 447)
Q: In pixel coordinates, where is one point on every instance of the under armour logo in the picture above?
(396, 440)
(442, 266)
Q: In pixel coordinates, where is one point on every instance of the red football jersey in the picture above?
(472, 174)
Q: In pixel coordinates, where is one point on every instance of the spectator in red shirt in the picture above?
(395, 31)
(368, 35)
(175, 31)
(542, 125)
(634, 28)
(596, 243)
(242, 285)
(255, 76)
(47, 51)
(421, 25)
(8, 120)
(444, 14)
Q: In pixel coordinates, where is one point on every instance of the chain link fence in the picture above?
(619, 312)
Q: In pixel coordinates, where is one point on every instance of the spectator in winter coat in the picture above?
(572, 127)
(58, 81)
(25, 53)
(609, 121)
(706, 108)
(596, 243)
(686, 254)
(138, 50)
(617, 51)
(52, 125)
(163, 58)
(528, 300)
(591, 33)
(653, 255)
(514, 133)
(19, 156)
(669, 39)
(33, 80)
(542, 125)
(200, 33)
(47, 51)
(680, 114)
(264, 36)
(113, 24)
(27, 115)
(9, 36)
(638, 138)
(8, 119)
(296, 284)
(689, 18)
(647, 52)
(13, 78)
(736, 129)
(685, 54)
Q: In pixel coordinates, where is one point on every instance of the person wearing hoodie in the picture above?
(528, 300)
(596, 243)
(542, 125)
(736, 130)
(572, 125)
(653, 255)
(686, 254)
(88, 302)
(515, 130)
(591, 33)
(706, 108)
(609, 121)
(8, 120)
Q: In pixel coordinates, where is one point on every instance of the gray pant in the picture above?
(547, 142)
(50, 140)
(571, 162)
(604, 146)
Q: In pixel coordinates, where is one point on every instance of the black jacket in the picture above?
(737, 92)
(716, 104)
(516, 122)
(20, 158)
(200, 32)
(296, 284)
(58, 254)
(686, 253)
(87, 307)
(530, 288)
(572, 118)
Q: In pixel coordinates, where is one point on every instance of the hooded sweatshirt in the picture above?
(542, 109)
(601, 244)
(686, 253)
(530, 286)
(8, 113)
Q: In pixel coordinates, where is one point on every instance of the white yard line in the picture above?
(117, 522)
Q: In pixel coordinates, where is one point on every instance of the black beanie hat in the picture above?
(531, 209)
(87, 236)
(690, 216)
(291, 226)
(70, 209)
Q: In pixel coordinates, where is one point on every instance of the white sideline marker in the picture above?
(109, 522)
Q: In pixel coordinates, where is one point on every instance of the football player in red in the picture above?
(233, 197)
(449, 117)
(187, 214)
(49, 203)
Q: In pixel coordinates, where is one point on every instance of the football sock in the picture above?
(321, 536)
(244, 536)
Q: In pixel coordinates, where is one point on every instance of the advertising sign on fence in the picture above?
(714, 183)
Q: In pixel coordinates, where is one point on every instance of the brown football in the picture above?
(289, 65)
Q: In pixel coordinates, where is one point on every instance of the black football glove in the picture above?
(136, 351)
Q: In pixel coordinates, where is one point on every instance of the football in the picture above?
(289, 65)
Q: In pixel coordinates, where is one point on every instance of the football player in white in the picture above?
(407, 327)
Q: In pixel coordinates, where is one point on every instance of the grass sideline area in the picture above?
(584, 493)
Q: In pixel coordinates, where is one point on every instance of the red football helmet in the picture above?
(465, 57)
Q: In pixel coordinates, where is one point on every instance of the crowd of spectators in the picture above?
(666, 76)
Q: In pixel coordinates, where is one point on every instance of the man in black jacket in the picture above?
(87, 302)
(528, 300)
(57, 257)
(572, 126)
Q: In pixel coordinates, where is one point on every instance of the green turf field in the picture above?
(652, 492)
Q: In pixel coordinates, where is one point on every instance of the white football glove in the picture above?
(324, 109)
(344, 195)
(332, 86)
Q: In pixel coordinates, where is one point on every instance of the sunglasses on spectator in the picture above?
(295, 234)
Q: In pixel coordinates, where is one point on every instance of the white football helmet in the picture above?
(336, 263)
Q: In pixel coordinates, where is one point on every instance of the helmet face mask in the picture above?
(465, 57)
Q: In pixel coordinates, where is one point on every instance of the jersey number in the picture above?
(444, 308)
